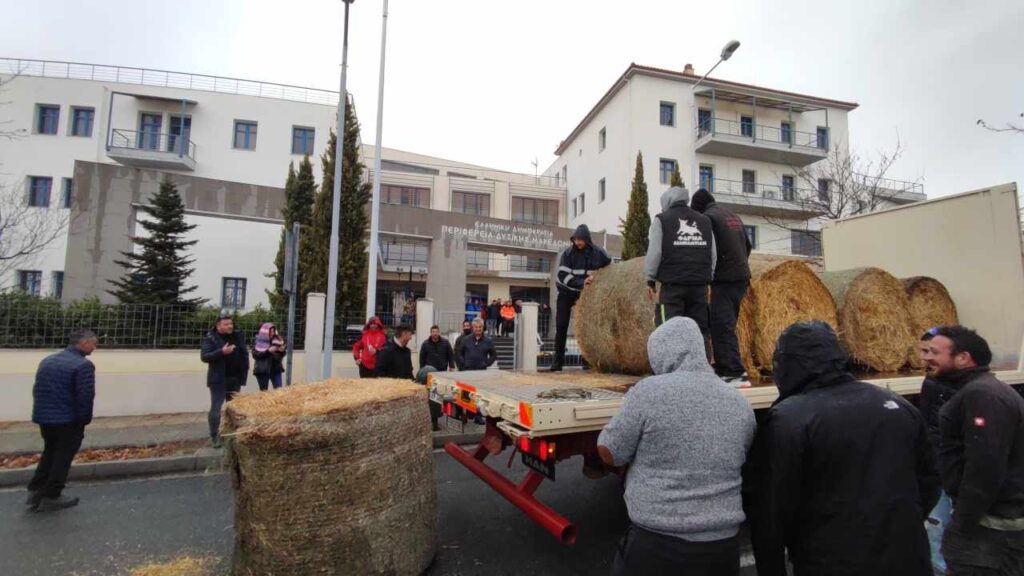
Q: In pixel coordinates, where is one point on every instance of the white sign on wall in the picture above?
(507, 235)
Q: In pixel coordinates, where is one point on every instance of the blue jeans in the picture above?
(264, 379)
(936, 524)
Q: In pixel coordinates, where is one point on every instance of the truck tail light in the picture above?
(526, 414)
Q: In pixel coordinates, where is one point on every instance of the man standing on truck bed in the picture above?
(981, 457)
(578, 262)
(681, 256)
(684, 434)
(730, 282)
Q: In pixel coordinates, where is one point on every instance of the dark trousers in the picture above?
(647, 553)
(219, 394)
(689, 301)
(266, 380)
(562, 316)
(725, 308)
(365, 372)
(983, 552)
(60, 444)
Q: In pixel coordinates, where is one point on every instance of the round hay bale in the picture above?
(781, 293)
(874, 317)
(335, 477)
(930, 305)
(614, 318)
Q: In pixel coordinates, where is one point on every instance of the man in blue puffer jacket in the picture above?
(63, 395)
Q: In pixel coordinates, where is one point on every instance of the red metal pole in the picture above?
(552, 521)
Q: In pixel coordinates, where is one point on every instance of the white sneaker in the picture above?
(741, 381)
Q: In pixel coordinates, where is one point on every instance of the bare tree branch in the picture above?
(6, 133)
(1010, 127)
(26, 231)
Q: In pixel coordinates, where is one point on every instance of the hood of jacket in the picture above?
(674, 195)
(807, 355)
(373, 322)
(583, 233)
(677, 346)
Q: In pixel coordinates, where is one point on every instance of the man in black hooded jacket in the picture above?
(841, 474)
(578, 262)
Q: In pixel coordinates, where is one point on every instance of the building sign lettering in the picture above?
(510, 234)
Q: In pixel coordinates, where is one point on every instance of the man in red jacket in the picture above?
(365, 350)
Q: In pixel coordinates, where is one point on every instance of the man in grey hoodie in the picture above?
(681, 255)
(684, 434)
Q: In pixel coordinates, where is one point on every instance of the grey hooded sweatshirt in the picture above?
(684, 434)
(653, 258)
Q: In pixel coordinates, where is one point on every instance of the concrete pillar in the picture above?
(446, 282)
(526, 337)
(316, 304)
(424, 320)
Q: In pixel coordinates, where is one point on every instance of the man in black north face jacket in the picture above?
(841, 474)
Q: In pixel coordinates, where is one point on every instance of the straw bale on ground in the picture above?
(874, 317)
(930, 305)
(334, 477)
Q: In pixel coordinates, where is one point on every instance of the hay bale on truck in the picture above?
(613, 319)
(335, 477)
(874, 317)
(930, 305)
(781, 293)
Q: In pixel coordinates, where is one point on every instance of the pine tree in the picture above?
(677, 178)
(355, 198)
(157, 274)
(637, 225)
(299, 191)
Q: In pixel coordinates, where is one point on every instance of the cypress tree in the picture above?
(677, 178)
(299, 190)
(637, 224)
(157, 274)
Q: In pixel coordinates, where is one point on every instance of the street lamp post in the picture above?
(332, 266)
(727, 51)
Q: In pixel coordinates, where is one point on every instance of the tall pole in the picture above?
(332, 267)
(371, 282)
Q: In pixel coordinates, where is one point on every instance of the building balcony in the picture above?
(768, 200)
(144, 149)
(750, 141)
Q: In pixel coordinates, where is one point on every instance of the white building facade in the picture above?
(746, 144)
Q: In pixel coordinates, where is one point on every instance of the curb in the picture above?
(172, 465)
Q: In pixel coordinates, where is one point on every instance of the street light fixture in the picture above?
(728, 50)
(332, 266)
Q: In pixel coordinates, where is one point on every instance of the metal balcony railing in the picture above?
(508, 263)
(166, 79)
(153, 141)
(759, 133)
(756, 189)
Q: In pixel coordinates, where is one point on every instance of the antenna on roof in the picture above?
(534, 166)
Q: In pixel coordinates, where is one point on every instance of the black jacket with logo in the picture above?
(982, 448)
(686, 239)
(576, 264)
(731, 243)
(394, 361)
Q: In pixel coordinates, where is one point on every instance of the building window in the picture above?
(667, 114)
(601, 189)
(302, 140)
(822, 137)
(66, 192)
(535, 211)
(602, 139)
(39, 191)
(583, 203)
(558, 179)
(824, 186)
(30, 282)
(788, 191)
(665, 169)
(477, 260)
(233, 293)
(805, 242)
(470, 203)
(704, 122)
(575, 207)
(47, 118)
(565, 174)
(405, 195)
(245, 135)
(751, 233)
(747, 126)
(57, 285)
(81, 121)
(149, 131)
(405, 254)
(786, 133)
(749, 181)
(707, 177)
(523, 263)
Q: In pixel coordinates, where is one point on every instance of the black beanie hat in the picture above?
(701, 199)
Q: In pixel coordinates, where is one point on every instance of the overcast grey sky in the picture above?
(500, 83)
